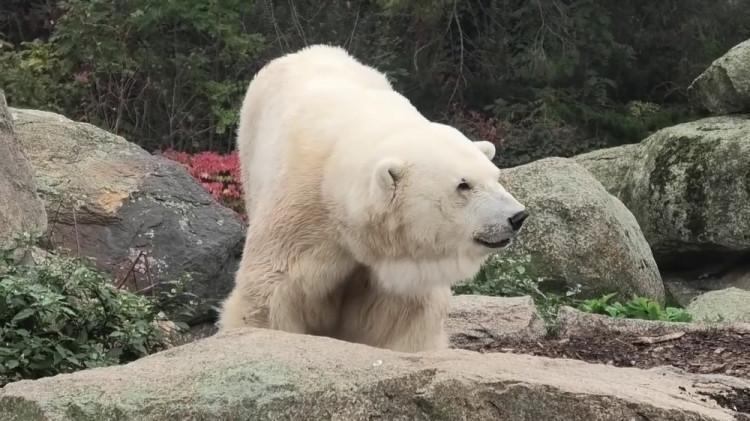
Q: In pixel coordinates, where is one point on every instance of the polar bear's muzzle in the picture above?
(516, 221)
(500, 235)
(493, 245)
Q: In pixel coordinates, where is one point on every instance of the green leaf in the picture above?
(612, 311)
(61, 350)
(22, 333)
(43, 365)
(23, 314)
(140, 348)
(114, 352)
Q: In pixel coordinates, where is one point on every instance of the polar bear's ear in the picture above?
(487, 148)
(388, 172)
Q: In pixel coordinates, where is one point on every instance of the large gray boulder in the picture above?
(579, 233)
(21, 209)
(724, 88)
(250, 374)
(135, 213)
(688, 186)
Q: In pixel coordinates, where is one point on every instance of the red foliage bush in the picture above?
(219, 174)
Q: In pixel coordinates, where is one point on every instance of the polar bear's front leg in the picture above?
(275, 300)
(248, 303)
(305, 297)
(287, 308)
(374, 316)
(295, 309)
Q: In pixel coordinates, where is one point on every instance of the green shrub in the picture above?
(503, 276)
(636, 308)
(173, 74)
(174, 301)
(59, 315)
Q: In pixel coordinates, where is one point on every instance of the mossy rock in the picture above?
(688, 185)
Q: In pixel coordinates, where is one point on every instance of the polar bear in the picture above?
(362, 212)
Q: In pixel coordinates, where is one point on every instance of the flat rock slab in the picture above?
(260, 374)
(477, 320)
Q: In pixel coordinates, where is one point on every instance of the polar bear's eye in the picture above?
(464, 185)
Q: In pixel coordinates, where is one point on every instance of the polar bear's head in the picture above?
(444, 198)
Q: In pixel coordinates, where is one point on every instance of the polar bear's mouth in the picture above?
(493, 244)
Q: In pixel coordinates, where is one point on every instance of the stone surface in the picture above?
(575, 323)
(475, 320)
(730, 305)
(613, 166)
(21, 209)
(260, 374)
(134, 212)
(579, 233)
(724, 87)
(685, 286)
(688, 186)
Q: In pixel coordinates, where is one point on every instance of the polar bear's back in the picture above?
(330, 62)
(279, 99)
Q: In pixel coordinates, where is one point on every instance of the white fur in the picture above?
(347, 184)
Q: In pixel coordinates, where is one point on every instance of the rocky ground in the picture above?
(701, 349)
(696, 352)
(714, 352)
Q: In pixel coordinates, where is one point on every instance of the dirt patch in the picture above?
(735, 400)
(714, 352)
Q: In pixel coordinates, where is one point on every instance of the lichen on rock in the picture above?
(688, 185)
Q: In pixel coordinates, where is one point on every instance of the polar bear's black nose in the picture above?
(517, 220)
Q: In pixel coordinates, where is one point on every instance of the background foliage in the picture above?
(537, 77)
(61, 315)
